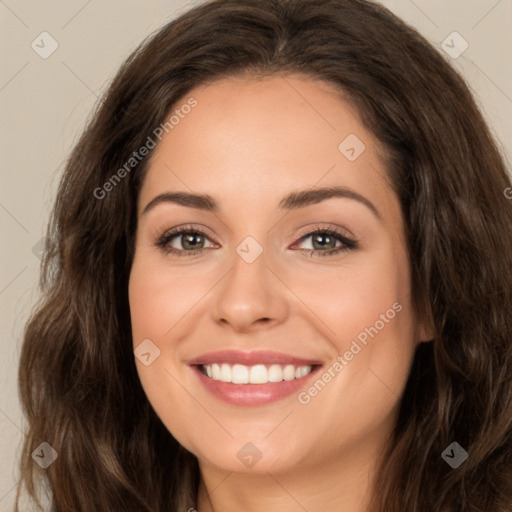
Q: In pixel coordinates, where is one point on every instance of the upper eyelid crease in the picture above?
(292, 201)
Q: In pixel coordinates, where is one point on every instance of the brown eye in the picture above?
(191, 240)
(324, 243)
(183, 242)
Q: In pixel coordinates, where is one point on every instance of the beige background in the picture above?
(45, 102)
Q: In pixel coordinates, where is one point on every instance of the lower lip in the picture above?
(252, 394)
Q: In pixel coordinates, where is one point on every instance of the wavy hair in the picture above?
(78, 382)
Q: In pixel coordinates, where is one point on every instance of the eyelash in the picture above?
(163, 241)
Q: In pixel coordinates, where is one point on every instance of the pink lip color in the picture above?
(251, 394)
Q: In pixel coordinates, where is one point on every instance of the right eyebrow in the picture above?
(198, 201)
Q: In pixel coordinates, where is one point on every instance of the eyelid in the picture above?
(313, 228)
(181, 228)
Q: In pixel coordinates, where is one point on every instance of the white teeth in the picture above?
(289, 372)
(225, 373)
(257, 374)
(239, 374)
(275, 373)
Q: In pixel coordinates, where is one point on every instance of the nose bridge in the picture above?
(249, 291)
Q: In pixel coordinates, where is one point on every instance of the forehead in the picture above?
(263, 138)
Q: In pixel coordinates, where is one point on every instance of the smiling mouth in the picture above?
(255, 374)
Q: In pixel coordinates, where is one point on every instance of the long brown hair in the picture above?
(77, 378)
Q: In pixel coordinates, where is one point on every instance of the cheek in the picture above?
(156, 306)
(159, 298)
(353, 296)
(369, 322)
(365, 312)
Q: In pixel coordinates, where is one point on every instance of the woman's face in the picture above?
(258, 277)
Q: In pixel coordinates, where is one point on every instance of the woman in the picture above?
(191, 346)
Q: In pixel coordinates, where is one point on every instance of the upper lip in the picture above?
(251, 358)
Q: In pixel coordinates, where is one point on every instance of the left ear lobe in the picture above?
(426, 333)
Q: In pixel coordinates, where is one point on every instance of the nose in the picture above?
(250, 296)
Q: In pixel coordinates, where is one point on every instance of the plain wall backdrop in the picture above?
(47, 93)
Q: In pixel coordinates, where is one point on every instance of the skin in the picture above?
(247, 144)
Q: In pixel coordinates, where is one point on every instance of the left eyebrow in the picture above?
(308, 197)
